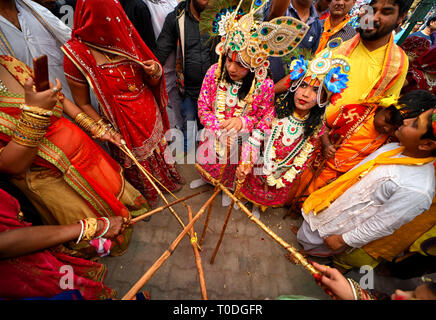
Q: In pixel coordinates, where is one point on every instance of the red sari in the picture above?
(136, 110)
(416, 76)
(38, 274)
(67, 150)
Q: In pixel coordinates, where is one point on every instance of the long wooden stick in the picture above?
(154, 211)
(226, 220)
(197, 258)
(147, 175)
(209, 211)
(144, 279)
(297, 256)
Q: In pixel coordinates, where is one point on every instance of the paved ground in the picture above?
(249, 264)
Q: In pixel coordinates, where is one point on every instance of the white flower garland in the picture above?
(271, 167)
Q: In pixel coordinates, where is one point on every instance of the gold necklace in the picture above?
(131, 87)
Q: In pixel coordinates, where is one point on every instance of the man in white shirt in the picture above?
(159, 10)
(29, 30)
(386, 198)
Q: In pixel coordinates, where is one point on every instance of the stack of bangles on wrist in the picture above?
(89, 228)
(97, 128)
(158, 73)
(32, 126)
(358, 292)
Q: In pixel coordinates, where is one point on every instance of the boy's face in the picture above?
(382, 122)
(383, 19)
(412, 130)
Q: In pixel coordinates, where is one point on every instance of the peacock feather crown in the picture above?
(251, 39)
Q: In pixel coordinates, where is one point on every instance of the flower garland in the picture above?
(300, 154)
(227, 95)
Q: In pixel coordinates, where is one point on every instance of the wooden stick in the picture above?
(147, 175)
(159, 262)
(154, 211)
(209, 210)
(226, 220)
(197, 258)
(299, 258)
(206, 223)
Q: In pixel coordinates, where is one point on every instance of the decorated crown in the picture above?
(329, 69)
(254, 41)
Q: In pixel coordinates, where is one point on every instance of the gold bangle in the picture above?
(90, 228)
(158, 73)
(36, 110)
(85, 121)
(30, 129)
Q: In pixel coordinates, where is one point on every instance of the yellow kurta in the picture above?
(366, 68)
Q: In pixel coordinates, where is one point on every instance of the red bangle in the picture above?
(105, 228)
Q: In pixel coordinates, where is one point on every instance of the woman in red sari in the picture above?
(107, 54)
(66, 176)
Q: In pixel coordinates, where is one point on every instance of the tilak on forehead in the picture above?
(328, 71)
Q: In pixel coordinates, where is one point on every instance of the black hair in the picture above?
(415, 102)
(246, 82)
(432, 18)
(403, 5)
(285, 106)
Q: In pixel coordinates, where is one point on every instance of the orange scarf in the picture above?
(322, 198)
(329, 31)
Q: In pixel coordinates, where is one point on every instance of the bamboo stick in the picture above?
(209, 210)
(154, 211)
(206, 223)
(226, 220)
(152, 270)
(299, 258)
(197, 258)
(147, 175)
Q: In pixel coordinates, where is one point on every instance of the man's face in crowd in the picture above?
(323, 5)
(383, 19)
(432, 26)
(339, 8)
(200, 5)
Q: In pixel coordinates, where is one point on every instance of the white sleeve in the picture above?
(402, 207)
(60, 30)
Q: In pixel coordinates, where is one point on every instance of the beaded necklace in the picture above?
(292, 129)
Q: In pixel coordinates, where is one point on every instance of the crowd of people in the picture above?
(308, 105)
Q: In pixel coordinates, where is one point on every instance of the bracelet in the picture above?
(106, 226)
(158, 73)
(30, 129)
(89, 229)
(85, 121)
(81, 231)
(352, 288)
(36, 110)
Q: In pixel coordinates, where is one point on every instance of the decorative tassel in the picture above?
(218, 69)
(249, 98)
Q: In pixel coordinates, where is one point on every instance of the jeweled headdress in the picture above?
(253, 40)
(329, 69)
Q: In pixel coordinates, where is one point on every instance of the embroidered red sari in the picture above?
(38, 274)
(68, 151)
(136, 110)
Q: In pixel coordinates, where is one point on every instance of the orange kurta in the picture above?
(357, 144)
